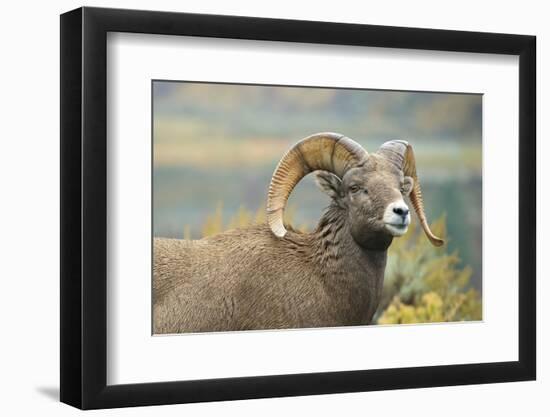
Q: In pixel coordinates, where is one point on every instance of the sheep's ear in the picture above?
(408, 183)
(329, 183)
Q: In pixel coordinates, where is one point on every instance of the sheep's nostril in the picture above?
(401, 211)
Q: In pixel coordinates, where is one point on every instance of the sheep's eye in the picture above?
(354, 188)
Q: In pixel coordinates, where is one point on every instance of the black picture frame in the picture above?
(84, 207)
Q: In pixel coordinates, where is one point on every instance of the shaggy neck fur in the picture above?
(354, 270)
(333, 229)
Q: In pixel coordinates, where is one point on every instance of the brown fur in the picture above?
(248, 279)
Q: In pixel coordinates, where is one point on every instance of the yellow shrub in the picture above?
(214, 222)
(425, 284)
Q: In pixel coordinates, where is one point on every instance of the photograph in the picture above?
(295, 207)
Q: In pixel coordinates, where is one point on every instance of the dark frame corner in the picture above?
(83, 207)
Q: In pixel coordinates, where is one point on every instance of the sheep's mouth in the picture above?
(397, 229)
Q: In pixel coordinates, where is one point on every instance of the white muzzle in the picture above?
(397, 218)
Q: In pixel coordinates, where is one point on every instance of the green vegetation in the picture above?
(422, 283)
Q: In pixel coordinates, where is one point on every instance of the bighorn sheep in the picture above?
(266, 277)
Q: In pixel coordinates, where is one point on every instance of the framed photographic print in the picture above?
(257, 207)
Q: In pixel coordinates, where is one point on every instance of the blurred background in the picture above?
(215, 147)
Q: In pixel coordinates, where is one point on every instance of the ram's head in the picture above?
(370, 187)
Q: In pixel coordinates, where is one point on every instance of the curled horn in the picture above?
(323, 151)
(401, 154)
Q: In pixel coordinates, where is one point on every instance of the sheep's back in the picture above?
(216, 282)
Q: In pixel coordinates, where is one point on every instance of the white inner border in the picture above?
(134, 356)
